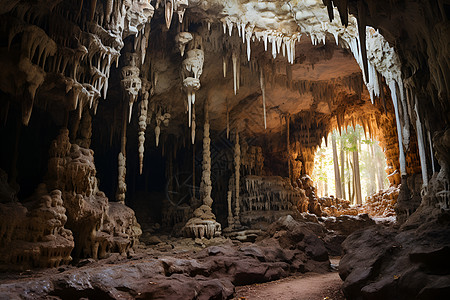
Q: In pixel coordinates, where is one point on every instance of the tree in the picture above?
(381, 175)
(353, 139)
(342, 167)
(337, 176)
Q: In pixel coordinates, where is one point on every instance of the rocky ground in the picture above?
(403, 263)
(310, 286)
(186, 269)
(289, 261)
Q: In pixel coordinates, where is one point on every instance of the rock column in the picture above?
(203, 224)
(237, 166)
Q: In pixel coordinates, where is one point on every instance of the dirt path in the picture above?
(309, 286)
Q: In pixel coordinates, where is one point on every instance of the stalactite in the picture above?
(362, 37)
(191, 70)
(193, 127)
(431, 152)
(248, 36)
(143, 108)
(421, 146)
(93, 6)
(263, 91)
(405, 127)
(180, 6)
(131, 83)
(234, 59)
(392, 87)
(181, 39)
(168, 12)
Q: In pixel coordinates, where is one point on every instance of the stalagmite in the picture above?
(206, 186)
(158, 127)
(228, 121)
(203, 223)
(230, 218)
(224, 66)
(288, 146)
(237, 165)
(121, 184)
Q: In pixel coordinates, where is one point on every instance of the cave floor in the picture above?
(308, 286)
(174, 268)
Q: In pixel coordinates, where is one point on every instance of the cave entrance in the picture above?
(352, 166)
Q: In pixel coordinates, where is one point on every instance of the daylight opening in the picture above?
(352, 166)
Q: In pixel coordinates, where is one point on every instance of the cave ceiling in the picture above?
(62, 55)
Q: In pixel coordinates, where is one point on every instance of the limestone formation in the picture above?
(33, 235)
(98, 227)
(203, 223)
(279, 76)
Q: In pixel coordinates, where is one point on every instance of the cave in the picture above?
(174, 149)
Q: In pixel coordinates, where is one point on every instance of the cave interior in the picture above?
(173, 142)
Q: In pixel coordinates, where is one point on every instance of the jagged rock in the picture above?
(348, 224)
(33, 234)
(98, 227)
(381, 262)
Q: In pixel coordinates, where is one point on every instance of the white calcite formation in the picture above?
(191, 70)
(204, 224)
(181, 39)
(131, 82)
(83, 62)
(268, 194)
(143, 112)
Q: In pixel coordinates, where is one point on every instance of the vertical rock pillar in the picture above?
(237, 166)
(203, 224)
(131, 85)
(205, 185)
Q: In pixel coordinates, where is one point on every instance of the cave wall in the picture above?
(131, 80)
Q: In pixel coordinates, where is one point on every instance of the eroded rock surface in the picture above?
(99, 227)
(289, 248)
(33, 234)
